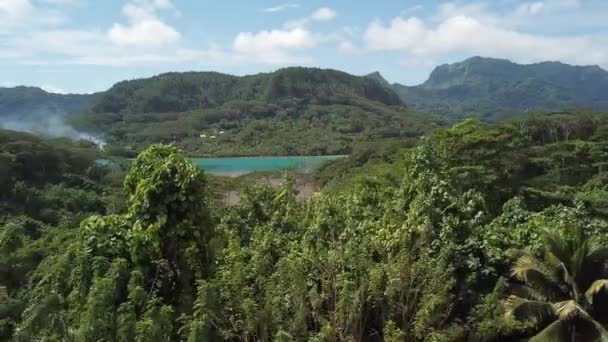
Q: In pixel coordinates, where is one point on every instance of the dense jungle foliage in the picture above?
(477, 232)
(293, 111)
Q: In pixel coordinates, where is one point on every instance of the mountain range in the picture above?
(301, 110)
(495, 89)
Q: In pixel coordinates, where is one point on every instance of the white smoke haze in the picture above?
(53, 126)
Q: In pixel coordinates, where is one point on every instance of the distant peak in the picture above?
(378, 77)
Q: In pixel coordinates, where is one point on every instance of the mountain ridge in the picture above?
(498, 88)
(197, 90)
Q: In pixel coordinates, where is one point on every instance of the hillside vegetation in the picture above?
(293, 111)
(477, 232)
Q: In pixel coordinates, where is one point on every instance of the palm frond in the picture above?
(526, 292)
(558, 247)
(554, 332)
(525, 309)
(577, 260)
(598, 286)
(527, 265)
(569, 309)
(536, 275)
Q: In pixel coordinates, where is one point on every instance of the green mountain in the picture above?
(379, 78)
(293, 111)
(35, 110)
(496, 88)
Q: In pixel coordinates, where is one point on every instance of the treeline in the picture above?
(491, 233)
(547, 158)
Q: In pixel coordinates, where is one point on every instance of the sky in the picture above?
(83, 46)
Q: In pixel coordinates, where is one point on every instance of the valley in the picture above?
(309, 205)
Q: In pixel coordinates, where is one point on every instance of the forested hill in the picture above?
(496, 89)
(31, 103)
(291, 111)
(179, 92)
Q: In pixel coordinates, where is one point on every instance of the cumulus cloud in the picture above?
(461, 32)
(144, 38)
(144, 28)
(274, 46)
(277, 47)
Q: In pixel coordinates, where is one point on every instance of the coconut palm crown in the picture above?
(564, 294)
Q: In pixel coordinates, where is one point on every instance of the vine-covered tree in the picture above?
(130, 277)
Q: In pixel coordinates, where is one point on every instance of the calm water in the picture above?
(244, 165)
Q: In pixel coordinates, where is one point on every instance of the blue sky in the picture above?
(88, 45)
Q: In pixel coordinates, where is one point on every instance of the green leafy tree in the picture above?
(127, 277)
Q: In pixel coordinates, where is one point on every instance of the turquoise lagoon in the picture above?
(245, 165)
(235, 166)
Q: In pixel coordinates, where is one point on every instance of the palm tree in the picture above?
(547, 292)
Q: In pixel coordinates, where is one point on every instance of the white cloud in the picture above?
(76, 47)
(15, 9)
(274, 47)
(467, 35)
(17, 16)
(477, 10)
(144, 28)
(276, 39)
(321, 14)
(281, 7)
(277, 47)
(324, 14)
